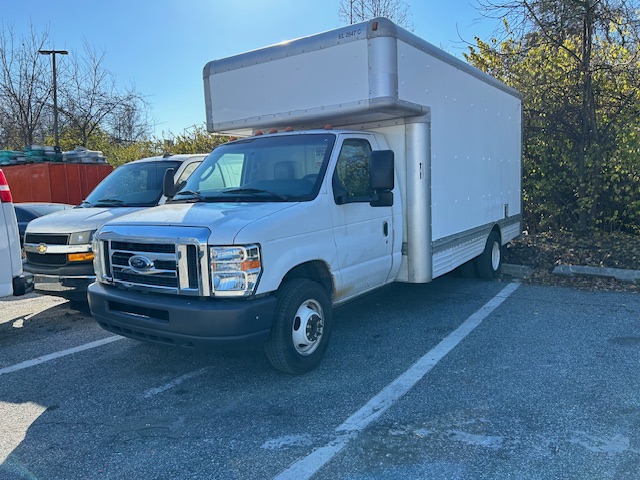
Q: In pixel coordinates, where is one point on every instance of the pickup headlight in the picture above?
(235, 270)
(81, 238)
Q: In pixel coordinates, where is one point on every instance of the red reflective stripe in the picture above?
(5, 193)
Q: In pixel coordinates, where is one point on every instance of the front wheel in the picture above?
(489, 263)
(301, 327)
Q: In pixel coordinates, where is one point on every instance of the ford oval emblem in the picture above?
(140, 263)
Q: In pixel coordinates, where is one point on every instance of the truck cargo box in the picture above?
(374, 75)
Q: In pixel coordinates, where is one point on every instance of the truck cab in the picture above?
(12, 279)
(58, 246)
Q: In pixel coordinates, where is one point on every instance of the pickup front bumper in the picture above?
(69, 282)
(183, 321)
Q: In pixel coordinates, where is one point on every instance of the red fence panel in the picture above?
(54, 182)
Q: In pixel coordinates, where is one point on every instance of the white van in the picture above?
(12, 280)
(58, 246)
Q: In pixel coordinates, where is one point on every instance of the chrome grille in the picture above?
(155, 263)
(161, 267)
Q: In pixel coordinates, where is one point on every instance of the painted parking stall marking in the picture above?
(56, 355)
(307, 466)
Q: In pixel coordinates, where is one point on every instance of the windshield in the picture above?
(261, 169)
(136, 184)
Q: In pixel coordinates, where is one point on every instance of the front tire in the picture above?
(489, 263)
(301, 327)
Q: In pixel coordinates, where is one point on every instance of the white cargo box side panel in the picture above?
(291, 84)
(345, 76)
(475, 139)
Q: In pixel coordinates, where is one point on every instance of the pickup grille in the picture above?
(156, 266)
(48, 259)
(49, 239)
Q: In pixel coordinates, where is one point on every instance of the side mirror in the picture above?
(168, 186)
(381, 178)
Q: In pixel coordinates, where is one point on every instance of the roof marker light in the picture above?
(374, 26)
(258, 132)
(328, 126)
(273, 130)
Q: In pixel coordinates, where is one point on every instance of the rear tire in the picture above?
(468, 269)
(489, 263)
(301, 327)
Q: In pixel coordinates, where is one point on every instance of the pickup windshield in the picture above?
(136, 184)
(278, 168)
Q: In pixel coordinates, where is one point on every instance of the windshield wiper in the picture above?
(193, 193)
(256, 192)
(109, 202)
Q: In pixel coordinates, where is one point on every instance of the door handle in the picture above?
(385, 229)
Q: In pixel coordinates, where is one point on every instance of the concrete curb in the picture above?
(516, 271)
(627, 276)
(620, 274)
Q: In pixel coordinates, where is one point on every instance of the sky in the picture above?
(160, 47)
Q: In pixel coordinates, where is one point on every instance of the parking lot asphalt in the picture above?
(457, 379)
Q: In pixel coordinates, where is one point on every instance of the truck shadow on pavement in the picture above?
(42, 319)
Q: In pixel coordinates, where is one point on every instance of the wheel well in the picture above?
(316, 271)
(496, 228)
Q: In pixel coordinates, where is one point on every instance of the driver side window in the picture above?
(351, 176)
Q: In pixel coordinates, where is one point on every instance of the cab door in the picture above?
(363, 234)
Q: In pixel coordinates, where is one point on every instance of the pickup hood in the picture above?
(77, 219)
(225, 219)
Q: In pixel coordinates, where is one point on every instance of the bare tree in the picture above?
(91, 101)
(130, 122)
(354, 11)
(25, 88)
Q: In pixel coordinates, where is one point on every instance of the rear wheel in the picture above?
(301, 327)
(468, 269)
(489, 263)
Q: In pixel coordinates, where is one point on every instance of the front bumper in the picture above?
(70, 282)
(23, 284)
(181, 321)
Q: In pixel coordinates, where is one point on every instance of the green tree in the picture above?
(194, 140)
(576, 63)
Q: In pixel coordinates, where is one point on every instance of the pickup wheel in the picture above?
(489, 263)
(301, 327)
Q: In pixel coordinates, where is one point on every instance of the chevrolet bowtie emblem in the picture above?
(42, 248)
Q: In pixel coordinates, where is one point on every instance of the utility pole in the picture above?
(53, 54)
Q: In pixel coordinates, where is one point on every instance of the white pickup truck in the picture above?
(394, 162)
(58, 246)
(12, 279)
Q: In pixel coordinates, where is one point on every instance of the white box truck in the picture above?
(394, 162)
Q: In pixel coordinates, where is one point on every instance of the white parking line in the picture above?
(61, 353)
(307, 466)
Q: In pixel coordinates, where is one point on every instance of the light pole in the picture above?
(55, 93)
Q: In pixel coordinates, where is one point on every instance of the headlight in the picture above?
(235, 270)
(81, 238)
